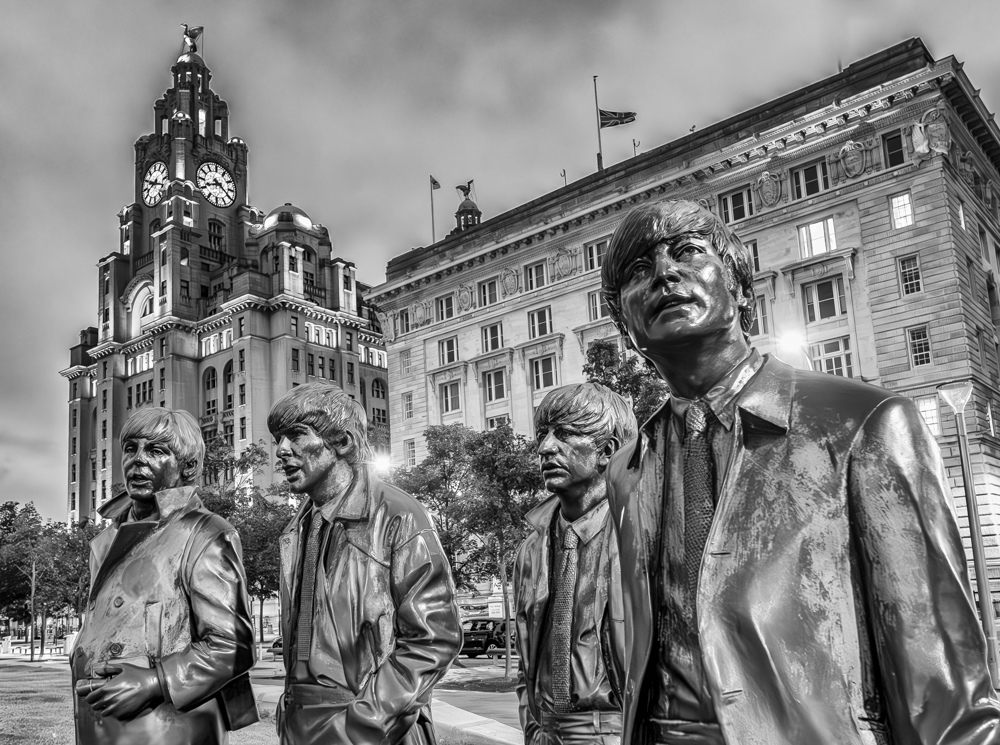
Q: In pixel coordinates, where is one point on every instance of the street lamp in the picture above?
(957, 395)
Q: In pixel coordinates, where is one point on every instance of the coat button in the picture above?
(118, 602)
(629, 687)
(115, 649)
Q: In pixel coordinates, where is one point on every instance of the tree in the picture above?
(229, 477)
(627, 375)
(505, 486)
(441, 481)
(259, 525)
(14, 586)
(72, 565)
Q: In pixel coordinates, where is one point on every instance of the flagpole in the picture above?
(433, 232)
(597, 113)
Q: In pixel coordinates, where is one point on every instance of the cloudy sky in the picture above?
(348, 106)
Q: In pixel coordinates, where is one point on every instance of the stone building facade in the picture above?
(208, 304)
(870, 199)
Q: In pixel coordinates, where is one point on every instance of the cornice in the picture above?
(818, 266)
(759, 148)
(76, 371)
(104, 348)
(140, 342)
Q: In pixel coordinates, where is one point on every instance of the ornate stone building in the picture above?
(870, 199)
(208, 304)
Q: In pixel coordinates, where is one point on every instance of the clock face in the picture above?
(216, 184)
(154, 183)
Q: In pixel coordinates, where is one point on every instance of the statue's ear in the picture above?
(344, 443)
(190, 471)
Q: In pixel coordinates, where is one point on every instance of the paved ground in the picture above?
(39, 693)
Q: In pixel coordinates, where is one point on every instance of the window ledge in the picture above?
(815, 267)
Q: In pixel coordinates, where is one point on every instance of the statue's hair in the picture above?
(329, 411)
(177, 429)
(649, 225)
(592, 409)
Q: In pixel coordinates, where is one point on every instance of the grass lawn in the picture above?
(37, 708)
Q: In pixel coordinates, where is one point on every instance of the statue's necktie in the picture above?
(303, 633)
(699, 487)
(562, 622)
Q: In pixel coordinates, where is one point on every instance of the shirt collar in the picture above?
(585, 526)
(722, 396)
(352, 504)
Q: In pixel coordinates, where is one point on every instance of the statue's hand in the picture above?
(127, 690)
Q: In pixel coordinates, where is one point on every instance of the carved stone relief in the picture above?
(420, 312)
(466, 298)
(510, 281)
(931, 134)
(564, 264)
(768, 189)
(388, 324)
(852, 160)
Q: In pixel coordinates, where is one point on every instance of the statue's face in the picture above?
(305, 458)
(676, 293)
(149, 467)
(569, 461)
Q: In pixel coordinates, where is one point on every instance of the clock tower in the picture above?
(208, 304)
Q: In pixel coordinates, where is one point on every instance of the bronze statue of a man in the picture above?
(167, 642)
(567, 582)
(791, 566)
(369, 618)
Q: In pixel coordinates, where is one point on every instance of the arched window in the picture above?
(211, 379)
(378, 389)
(154, 228)
(211, 388)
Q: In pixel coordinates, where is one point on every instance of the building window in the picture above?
(310, 364)
(598, 305)
(892, 149)
(824, 300)
(293, 265)
(331, 370)
(407, 399)
(211, 379)
(243, 428)
(909, 275)
(595, 253)
(487, 292)
(493, 422)
(492, 337)
(543, 372)
(211, 406)
(961, 213)
(754, 255)
(128, 402)
(920, 346)
(450, 397)
(534, 276)
(241, 326)
(72, 472)
(539, 323)
(104, 458)
(349, 340)
(104, 400)
(379, 417)
(404, 361)
(445, 307)
(242, 360)
(737, 205)
(928, 408)
(72, 446)
(378, 389)
(322, 371)
(243, 394)
(833, 356)
(409, 453)
(902, 210)
(448, 351)
(294, 325)
(104, 429)
(817, 238)
(809, 180)
(403, 322)
(350, 373)
(347, 282)
(295, 360)
(73, 418)
(759, 327)
(494, 382)
(982, 243)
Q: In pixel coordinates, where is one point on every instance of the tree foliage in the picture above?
(628, 375)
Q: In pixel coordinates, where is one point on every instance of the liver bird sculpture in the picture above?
(191, 36)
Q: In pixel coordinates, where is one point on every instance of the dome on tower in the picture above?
(288, 212)
(192, 58)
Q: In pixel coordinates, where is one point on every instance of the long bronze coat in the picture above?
(834, 605)
(532, 595)
(391, 600)
(172, 593)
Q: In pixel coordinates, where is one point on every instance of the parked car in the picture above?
(276, 645)
(483, 634)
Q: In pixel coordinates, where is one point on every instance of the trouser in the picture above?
(581, 727)
(676, 732)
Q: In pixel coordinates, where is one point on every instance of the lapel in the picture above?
(288, 548)
(115, 542)
(540, 519)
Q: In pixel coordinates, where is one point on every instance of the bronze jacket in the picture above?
(171, 594)
(833, 603)
(391, 600)
(532, 582)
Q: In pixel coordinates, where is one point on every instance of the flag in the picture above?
(435, 184)
(614, 118)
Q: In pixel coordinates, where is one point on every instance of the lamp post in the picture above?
(957, 395)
